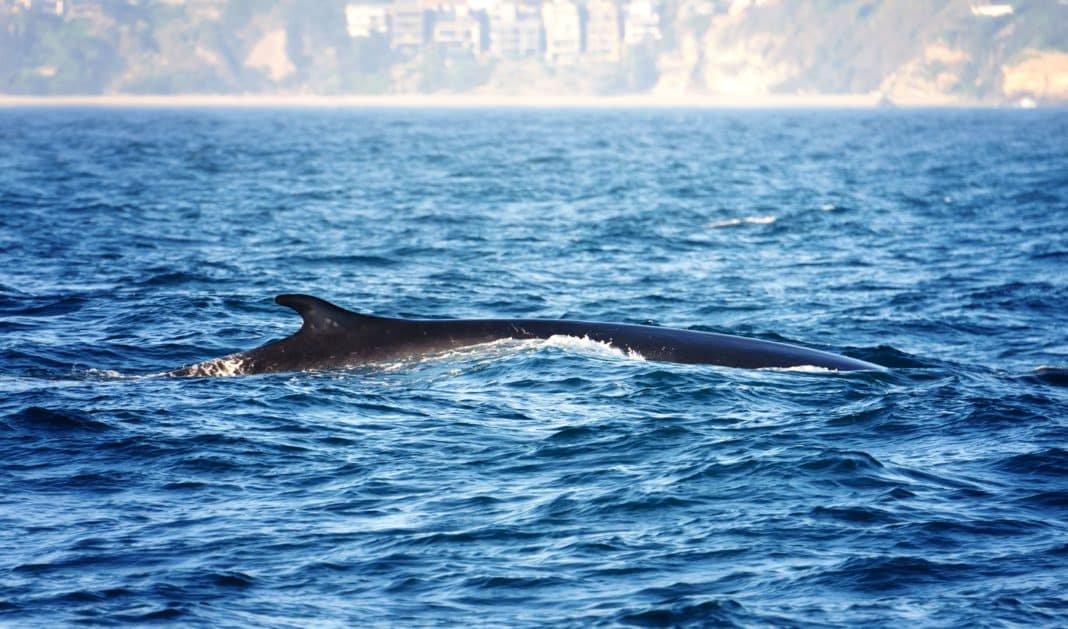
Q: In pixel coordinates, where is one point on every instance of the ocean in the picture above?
(535, 483)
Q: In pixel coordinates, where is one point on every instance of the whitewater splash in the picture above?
(588, 347)
(748, 220)
(802, 369)
(494, 350)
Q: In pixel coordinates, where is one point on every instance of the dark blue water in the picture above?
(538, 482)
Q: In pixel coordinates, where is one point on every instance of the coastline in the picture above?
(474, 100)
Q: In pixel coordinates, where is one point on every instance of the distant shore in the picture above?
(829, 101)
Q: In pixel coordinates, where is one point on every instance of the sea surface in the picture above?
(535, 483)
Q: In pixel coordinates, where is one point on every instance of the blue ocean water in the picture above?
(542, 482)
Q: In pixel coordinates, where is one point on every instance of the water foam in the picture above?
(105, 374)
(802, 369)
(589, 347)
(748, 220)
(494, 350)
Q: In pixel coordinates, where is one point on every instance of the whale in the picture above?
(333, 337)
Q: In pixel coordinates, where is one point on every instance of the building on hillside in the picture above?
(366, 20)
(563, 32)
(409, 26)
(641, 22)
(695, 8)
(42, 7)
(738, 7)
(992, 10)
(86, 10)
(603, 33)
(458, 29)
(207, 10)
(515, 31)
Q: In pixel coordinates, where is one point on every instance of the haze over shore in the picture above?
(420, 101)
(731, 53)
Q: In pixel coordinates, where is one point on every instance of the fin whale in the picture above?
(334, 337)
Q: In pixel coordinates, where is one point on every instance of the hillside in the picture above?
(932, 52)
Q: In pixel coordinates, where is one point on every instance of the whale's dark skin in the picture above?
(334, 337)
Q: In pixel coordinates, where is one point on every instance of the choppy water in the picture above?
(538, 482)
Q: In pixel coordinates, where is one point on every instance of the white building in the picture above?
(515, 31)
(992, 10)
(604, 42)
(48, 7)
(365, 20)
(87, 10)
(738, 7)
(458, 29)
(641, 22)
(410, 25)
(210, 10)
(563, 31)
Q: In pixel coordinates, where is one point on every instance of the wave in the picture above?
(36, 418)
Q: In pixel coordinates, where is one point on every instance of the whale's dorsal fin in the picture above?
(321, 316)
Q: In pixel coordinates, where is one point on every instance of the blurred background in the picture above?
(935, 52)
